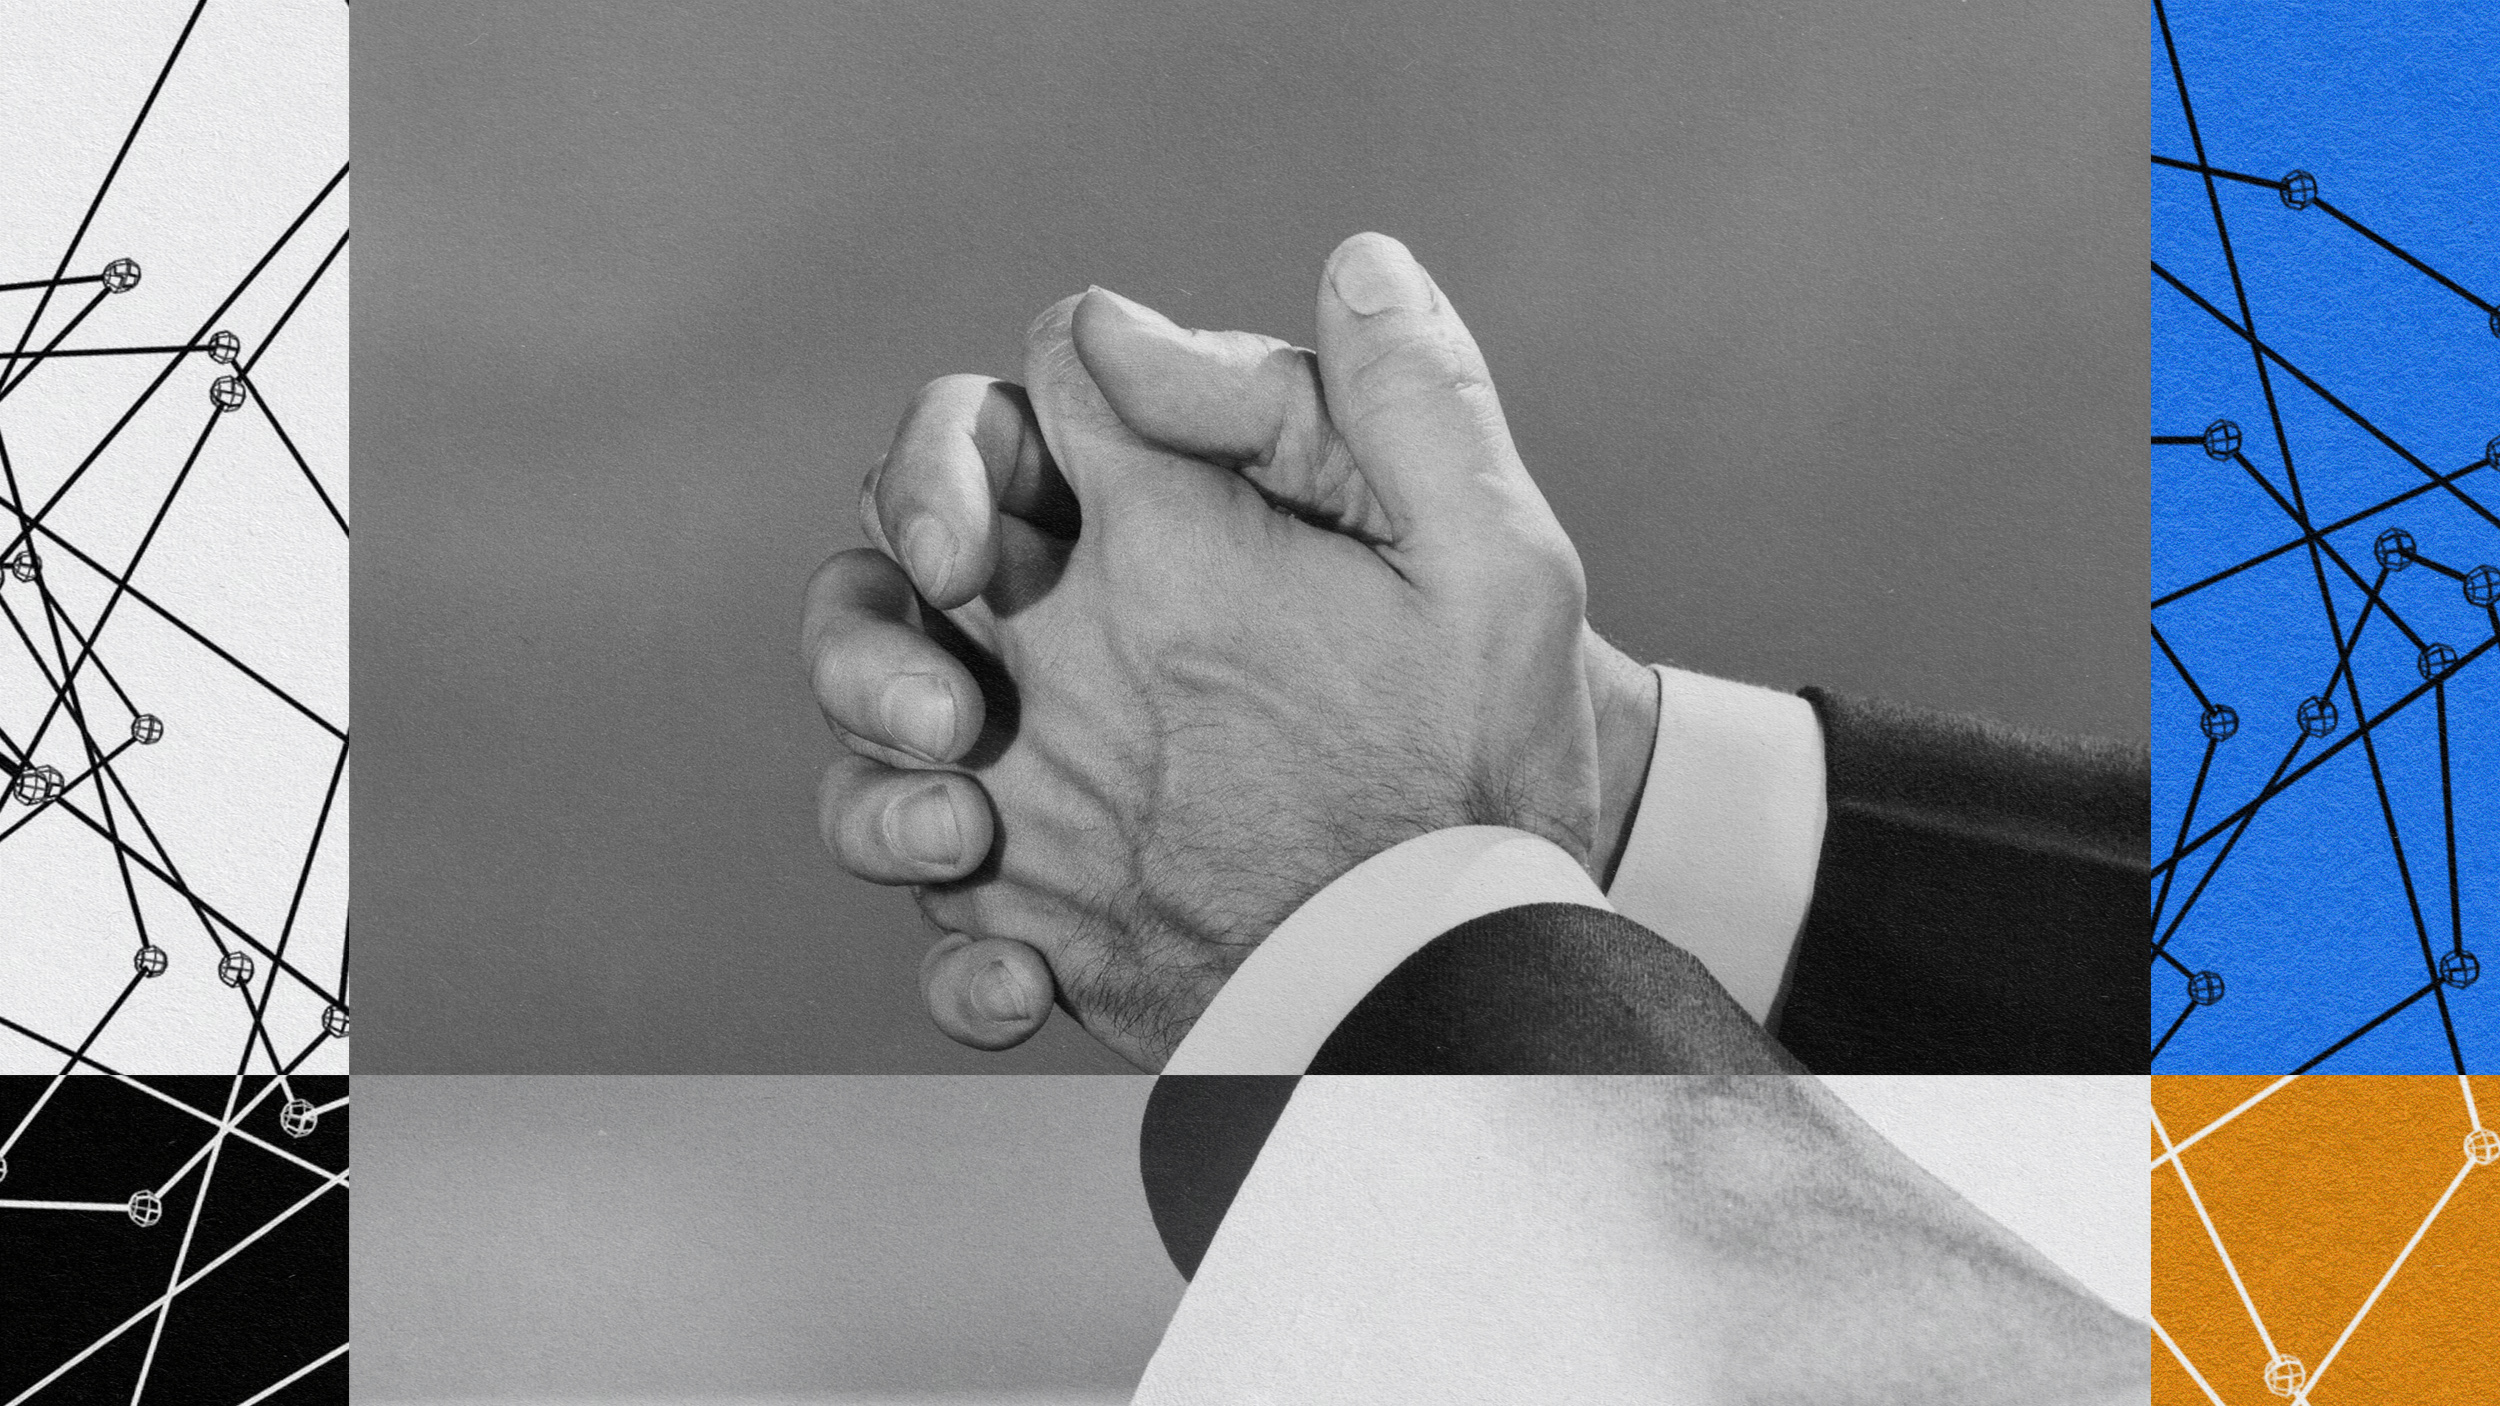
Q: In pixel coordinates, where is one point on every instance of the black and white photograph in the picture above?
(1252, 538)
(1083, 1241)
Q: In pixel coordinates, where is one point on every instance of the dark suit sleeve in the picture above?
(1549, 988)
(1200, 1134)
(1974, 912)
(1976, 907)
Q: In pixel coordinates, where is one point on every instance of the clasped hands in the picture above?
(1152, 648)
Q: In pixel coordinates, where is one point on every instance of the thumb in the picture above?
(1410, 394)
(1113, 471)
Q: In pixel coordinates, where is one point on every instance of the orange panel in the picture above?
(2313, 1193)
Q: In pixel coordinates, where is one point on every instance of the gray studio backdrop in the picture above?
(1822, 324)
(753, 1238)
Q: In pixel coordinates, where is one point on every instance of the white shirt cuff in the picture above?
(1289, 995)
(1723, 850)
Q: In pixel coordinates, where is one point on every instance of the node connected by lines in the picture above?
(224, 348)
(2482, 1147)
(2222, 439)
(2482, 585)
(235, 968)
(2284, 1376)
(2219, 721)
(2317, 716)
(227, 392)
(121, 275)
(2459, 968)
(2394, 549)
(298, 1118)
(25, 565)
(2300, 190)
(2205, 988)
(37, 785)
(334, 1020)
(149, 960)
(2434, 660)
(146, 729)
(145, 1209)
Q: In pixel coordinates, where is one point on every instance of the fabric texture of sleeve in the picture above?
(1975, 910)
(1277, 1008)
(1550, 988)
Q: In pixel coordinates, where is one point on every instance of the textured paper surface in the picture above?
(1404, 1235)
(2332, 930)
(2334, 1232)
(222, 843)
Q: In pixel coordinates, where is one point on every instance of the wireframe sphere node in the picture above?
(2318, 716)
(235, 968)
(2285, 1376)
(2394, 549)
(2482, 1147)
(145, 1208)
(298, 1118)
(2495, 324)
(2205, 988)
(37, 784)
(4, 1169)
(334, 1020)
(26, 566)
(2222, 439)
(121, 275)
(147, 728)
(2460, 968)
(2219, 722)
(2435, 659)
(2482, 585)
(2300, 190)
(227, 392)
(149, 960)
(2491, 451)
(224, 348)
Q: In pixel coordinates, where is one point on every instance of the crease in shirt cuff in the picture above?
(1284, 1001)
(1723, 851)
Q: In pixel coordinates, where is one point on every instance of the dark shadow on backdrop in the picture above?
(1822, 325)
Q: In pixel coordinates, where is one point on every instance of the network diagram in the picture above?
(174, 527)
(175, 1005)
(185, 1236)
(2326, 550)
(2268, 1273)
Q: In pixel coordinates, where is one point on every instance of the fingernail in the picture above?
(919, 713)
(1375, 274)
(928, 553)
(922, 825)
(997, 995)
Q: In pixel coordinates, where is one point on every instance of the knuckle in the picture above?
(1434, 364)
(1548, 567)
(833, 795)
